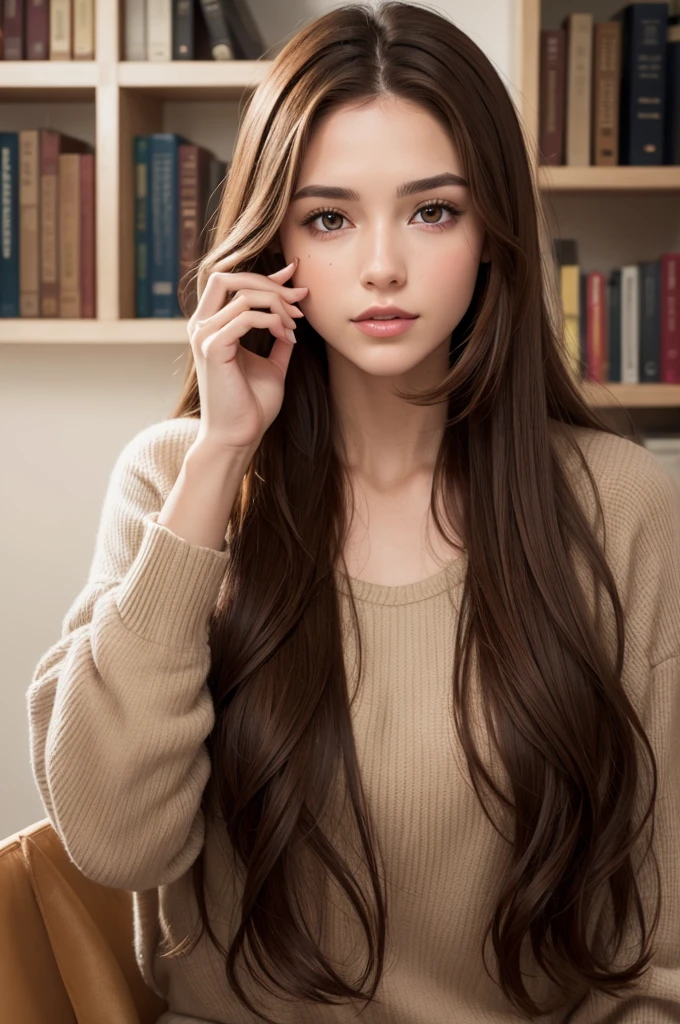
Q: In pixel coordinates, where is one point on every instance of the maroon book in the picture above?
(87, 235)
(13, 20)
(552, 93)
(37, 30)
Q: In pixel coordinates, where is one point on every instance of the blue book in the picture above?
(142, 283)
(164, 223)
(9, 218)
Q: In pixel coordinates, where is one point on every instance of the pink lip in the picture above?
(385, 311)
(384, 328)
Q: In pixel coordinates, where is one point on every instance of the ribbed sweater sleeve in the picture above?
(118, 708)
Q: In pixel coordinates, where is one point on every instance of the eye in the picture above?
(429, 206)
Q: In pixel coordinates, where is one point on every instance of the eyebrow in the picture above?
(408, 188)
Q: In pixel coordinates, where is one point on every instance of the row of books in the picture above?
(162, 30)
(47, 29)
(610, 91)
(178, 187)
(625, 326)
(47, 211)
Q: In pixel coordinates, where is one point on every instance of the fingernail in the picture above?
(290, 335)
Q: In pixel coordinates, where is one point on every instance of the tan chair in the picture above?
(66, 943)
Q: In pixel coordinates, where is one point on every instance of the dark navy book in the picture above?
(650, 322)
(9, 218)
(614, 324)
(142, 281)
(643, 83)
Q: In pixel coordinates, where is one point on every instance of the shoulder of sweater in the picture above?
(634, 487)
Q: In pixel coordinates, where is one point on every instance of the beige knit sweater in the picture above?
(119, 711)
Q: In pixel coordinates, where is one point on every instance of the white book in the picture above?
(135, 29)
(159, 30)
(630, 324)
(83, 29)
(61, 34)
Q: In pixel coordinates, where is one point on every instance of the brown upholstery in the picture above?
(66, 943)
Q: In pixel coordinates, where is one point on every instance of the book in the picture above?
(9, 213)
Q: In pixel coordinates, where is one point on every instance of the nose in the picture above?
(383, 264)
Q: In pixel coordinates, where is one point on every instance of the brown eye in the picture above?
(330, 214)
(432, 209)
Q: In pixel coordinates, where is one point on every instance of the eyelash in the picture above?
(315, 214)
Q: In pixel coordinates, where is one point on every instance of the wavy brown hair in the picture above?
(562, 726)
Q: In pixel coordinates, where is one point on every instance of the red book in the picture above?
(37, 30)
(87, 244)
(596, 327)
(670, 317)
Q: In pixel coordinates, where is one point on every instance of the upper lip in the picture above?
(384, 311)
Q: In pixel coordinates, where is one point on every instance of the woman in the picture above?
(399, 745)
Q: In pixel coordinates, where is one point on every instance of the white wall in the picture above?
(66, 411)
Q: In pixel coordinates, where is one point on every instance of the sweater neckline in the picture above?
(451, 575)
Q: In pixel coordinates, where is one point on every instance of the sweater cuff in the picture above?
(170, 590)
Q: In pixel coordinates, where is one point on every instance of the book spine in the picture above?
(142, 287)
(583, 323)
(579, 81)
(650, 322)
(159, 30)
(630, 324)
(37, 30)
(222, 44)
(69, 235)
(61, 30)
(9, 209)
(135, 29)
(606, 76)
(29, 263)
(643, 83)
(164, 262)
(188, 208)
(614, 325)
(183, 21)
(87, 247)
(672, 116)
(597, 327)
(670, 318)
(49, 209)
(552, 93)
(83, 29)
(15, 36)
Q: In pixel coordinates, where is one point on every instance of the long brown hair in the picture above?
(563, 729)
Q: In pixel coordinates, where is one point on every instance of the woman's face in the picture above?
(379, 248)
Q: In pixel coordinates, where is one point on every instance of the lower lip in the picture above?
(384, 328)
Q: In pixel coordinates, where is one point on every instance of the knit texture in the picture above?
(119, 711)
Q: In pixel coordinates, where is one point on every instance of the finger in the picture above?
(243, 300)
(220, 283)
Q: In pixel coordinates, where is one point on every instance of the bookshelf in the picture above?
(129, 98)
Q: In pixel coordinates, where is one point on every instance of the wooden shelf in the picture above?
(33, 80)
(609, 179)
(633, 396)
(140, 331)
(192, 80)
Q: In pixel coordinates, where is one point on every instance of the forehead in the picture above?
(389, 141)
